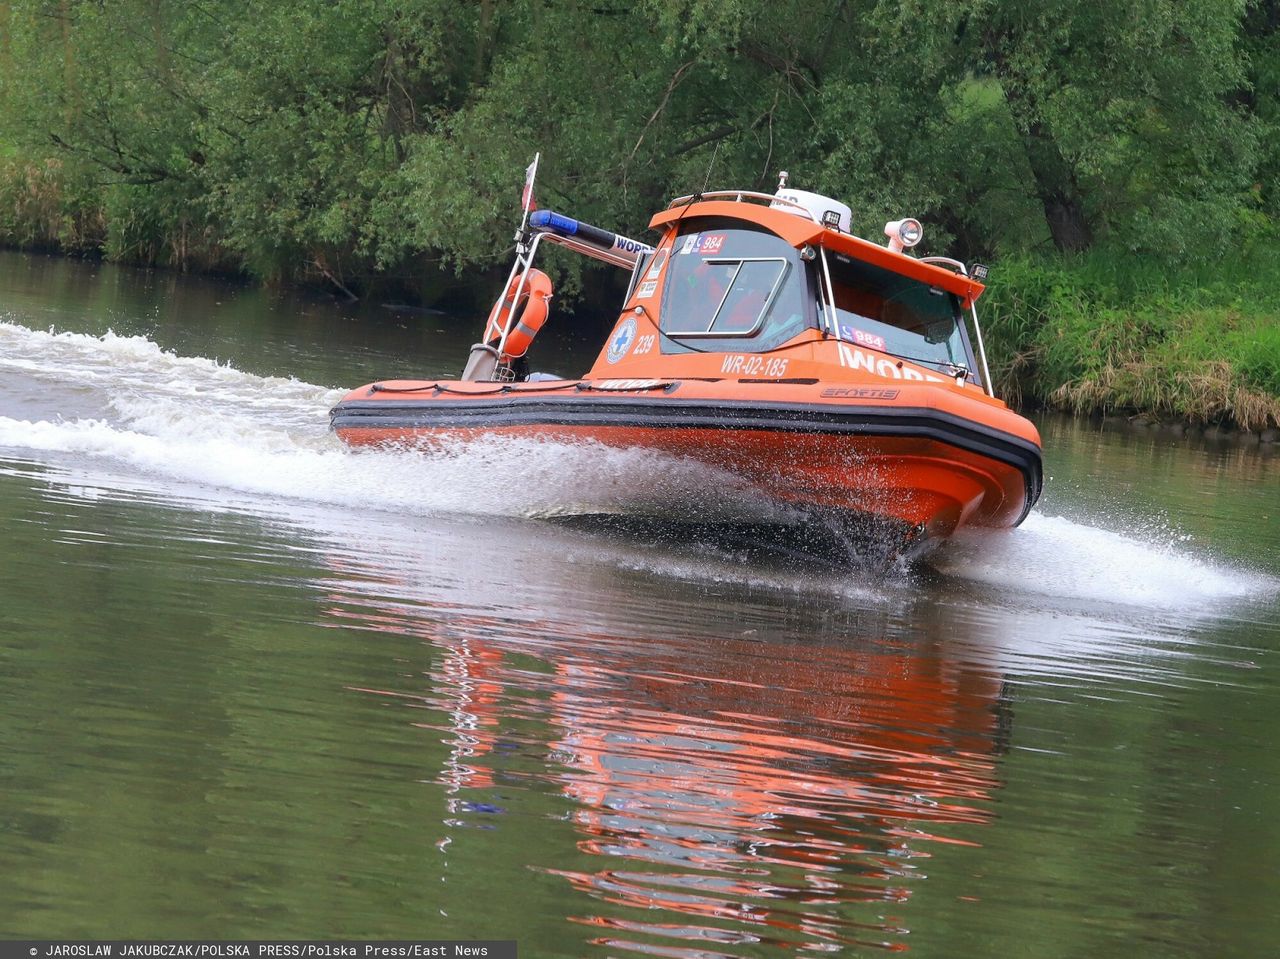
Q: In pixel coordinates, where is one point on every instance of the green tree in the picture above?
(1125, 114)
(1260, 96)
(347, 142)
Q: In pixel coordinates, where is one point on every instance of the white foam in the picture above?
(110, 357)
(493, 476)
(1054, 556)
(145, 386)
(200, 421)
(191, 420)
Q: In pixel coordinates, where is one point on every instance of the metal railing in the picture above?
(740, 195)
(958, 267)
(525, 254)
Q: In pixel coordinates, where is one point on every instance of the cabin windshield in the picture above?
(733, 287)
(885, 311)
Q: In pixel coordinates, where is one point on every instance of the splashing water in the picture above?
(192, 420)
(1058, 557)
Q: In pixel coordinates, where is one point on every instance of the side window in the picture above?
(733, 288)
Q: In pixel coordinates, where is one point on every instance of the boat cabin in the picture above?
(761, 286)
(758, 337)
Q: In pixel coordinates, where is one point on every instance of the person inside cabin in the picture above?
(706, 286)
(741, 312)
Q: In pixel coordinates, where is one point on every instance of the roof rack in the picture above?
(741, 195)
(955, 266)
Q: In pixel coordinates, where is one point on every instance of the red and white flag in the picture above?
(526, 196)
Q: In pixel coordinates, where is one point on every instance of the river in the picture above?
(255, 685)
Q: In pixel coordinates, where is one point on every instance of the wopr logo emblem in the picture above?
(622, 339)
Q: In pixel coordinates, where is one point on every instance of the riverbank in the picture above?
(1103, 334)
(1192, 346)
(51, 207)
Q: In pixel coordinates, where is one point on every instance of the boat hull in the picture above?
(895, 457)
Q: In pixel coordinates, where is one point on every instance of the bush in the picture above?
(42, 207)
(1107, 333)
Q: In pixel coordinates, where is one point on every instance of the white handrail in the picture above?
(973, 312)
(740, 195)
(525, 260)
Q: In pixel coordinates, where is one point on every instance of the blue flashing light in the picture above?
(547, 220)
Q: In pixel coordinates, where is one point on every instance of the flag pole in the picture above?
(530, 174)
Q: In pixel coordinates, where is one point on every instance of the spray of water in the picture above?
(195, 421)
(1062, 558)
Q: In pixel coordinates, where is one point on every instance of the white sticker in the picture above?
(646, 290)
(709, 243)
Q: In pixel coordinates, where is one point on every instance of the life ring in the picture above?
(530, 313)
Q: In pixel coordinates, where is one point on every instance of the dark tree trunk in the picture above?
(1056, 186)
(1057, 191)
(1067, 224)
(1055, 180)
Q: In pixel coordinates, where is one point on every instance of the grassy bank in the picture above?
(1119, 334)
(40, 209)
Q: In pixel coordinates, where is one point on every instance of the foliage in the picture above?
(1085, 335)
(373, 142)
(341, 141)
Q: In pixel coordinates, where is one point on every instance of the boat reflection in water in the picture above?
(780, 799)
(770, 780)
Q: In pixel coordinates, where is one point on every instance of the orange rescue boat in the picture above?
(761, 337)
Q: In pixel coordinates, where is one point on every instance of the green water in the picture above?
(252, 685)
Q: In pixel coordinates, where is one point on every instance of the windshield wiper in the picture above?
(955, 368)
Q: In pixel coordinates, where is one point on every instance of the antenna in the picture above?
(710, 167)
(782, 180)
